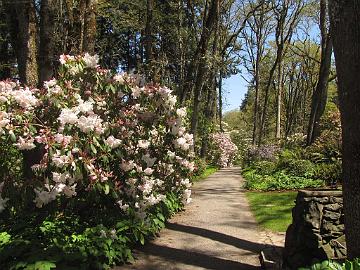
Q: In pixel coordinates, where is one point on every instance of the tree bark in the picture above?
(319, 97)
(22, 23)
(211, 20)
(279, 101)
(220, 102)
(90, 26)
(149, 53)
(46, 50)
(345, 31)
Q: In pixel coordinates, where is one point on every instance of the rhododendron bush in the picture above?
(224, 151)
(99, 133)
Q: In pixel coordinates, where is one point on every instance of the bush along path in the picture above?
(217, 231)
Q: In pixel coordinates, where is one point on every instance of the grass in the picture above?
(272, 210)
(208, 171)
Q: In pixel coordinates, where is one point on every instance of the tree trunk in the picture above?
(319, 97)
(279, 101)
(201, 62)
(149, 54)
(345, 31)
(46, 50)
(23, 28)
(220, 102)
(90, 26)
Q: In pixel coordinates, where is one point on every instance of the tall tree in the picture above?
(47, 32)
(345, 32)
(320, 94)
(22, 21)
(287, 14)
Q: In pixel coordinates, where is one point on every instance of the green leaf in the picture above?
(93, 149)
(142, 239)
(12, 136)
(160, 216)
(106, 189)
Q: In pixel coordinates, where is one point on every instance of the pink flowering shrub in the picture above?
(224, 151)
(99, 132)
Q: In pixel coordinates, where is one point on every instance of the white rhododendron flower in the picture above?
(120, 78)
(148, 171)
(91, 61)
(112, 142)
(4, 119)
(68, 116)
(25, 98)
(25, 144)
(99, 133)
(60, 160)
(65, 58)
(91, 123)
(52, 87)
(143, 144)
(181, 112)
(182, 143)
(44, 197)
(136, 91)
(127, 165)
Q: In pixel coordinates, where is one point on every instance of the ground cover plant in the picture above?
(272, 210)
(333, 265)
(95, 162)
(272, 168)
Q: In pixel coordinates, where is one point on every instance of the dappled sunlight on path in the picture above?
(217, 231)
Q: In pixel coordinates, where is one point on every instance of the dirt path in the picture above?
(217, 231)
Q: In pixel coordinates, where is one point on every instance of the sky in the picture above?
(235, 89)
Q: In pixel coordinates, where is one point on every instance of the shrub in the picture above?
(200, 167)
(301, 167)
(264, 152)
(329, 172)
(264, 167)
(278, 181)
(110, 149)
(223, 150)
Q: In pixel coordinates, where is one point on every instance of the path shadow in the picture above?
(194, 258)
(216, 236)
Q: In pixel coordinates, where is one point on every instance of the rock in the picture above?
(314, 214)
(317, 231)
(331, 215)
(328, 250)
(333, 207)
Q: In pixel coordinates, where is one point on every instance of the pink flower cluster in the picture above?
(224, 149)
(100, 131)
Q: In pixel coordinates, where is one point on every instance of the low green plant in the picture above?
(332, 265)
(264, 167)
(300, 167)
(280, 180)
(68, 240)
(329, 172)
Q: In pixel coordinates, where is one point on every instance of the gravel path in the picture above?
(217, 231)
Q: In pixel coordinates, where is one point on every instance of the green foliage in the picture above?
(264, 167)
(329, 172)
(332, 265)
(300, 167)
(207, 172)
(200, 167)
(65, 240)
(280, 180)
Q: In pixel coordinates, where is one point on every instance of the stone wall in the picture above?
(317, 229)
